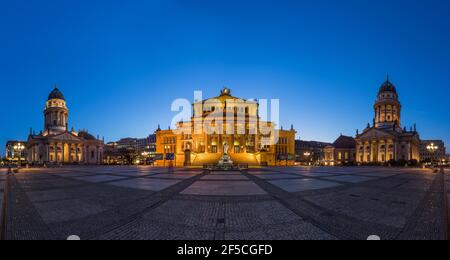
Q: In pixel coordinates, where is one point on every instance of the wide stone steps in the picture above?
(241, 158)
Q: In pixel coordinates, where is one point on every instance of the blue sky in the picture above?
(120, 64)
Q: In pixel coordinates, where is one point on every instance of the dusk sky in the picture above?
(120, 64)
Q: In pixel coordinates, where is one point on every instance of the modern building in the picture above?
(386, 140)
(147, 144)
(432, 151)
(341, 152)
(310, 152)
(225, 125)
(56, 144)
(131, 150)
(16, 151)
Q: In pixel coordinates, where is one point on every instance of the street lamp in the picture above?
(19, 148)
(308, 154)
(145, 155)
(432, 148)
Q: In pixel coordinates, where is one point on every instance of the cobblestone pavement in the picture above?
(260, 204)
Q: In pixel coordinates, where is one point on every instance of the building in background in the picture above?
(437, 153)
(191, 144)
(386, 140)
(131, 151)
(341, 152)
(310, 152)
(56, 144)
(16, 151)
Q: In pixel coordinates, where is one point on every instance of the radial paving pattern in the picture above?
(272, 203)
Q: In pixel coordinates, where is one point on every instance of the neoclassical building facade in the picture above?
(386, 140)
(204, 138)
(56, 144)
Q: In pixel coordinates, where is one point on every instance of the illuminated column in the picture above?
(205, 137)
(386, 150)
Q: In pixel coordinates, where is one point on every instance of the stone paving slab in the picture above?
(50, 195)
(157, 231)
(279, 176)
(29, 184)
(224, 177)
(134, 174)
(300, 230)
(224, 188)
(262, 172)
(146, 184)
(99, 178)
(225, 173)
(375, 175)
(349, 178)
(177, 176)
(303, 184)
(67, 210)
(73, 174)
(319, 174)
(370, 205)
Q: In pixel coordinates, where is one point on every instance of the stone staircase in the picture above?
(206, 158)
(242, 158)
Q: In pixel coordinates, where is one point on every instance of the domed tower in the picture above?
(387, 108)
(56, 113)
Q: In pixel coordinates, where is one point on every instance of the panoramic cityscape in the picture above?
(167, 120)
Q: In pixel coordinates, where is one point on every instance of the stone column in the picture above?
(385, 113)
(205, 136)
(386, 149)
(395, 149)
(63, 159)
(410, 151)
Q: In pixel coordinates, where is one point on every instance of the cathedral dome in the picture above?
(56, 94)
(387, 87)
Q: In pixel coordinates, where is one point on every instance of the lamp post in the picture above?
(432, 148)
(307, 155)
(19, 148)
(145, 156)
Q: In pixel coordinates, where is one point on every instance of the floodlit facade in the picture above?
(386, 140)
(225, 125)
(56, 144)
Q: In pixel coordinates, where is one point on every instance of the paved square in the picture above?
(99, 178)
(146, 184)
(297, 185)
(322, 203)
(349, 178)
(224, 188)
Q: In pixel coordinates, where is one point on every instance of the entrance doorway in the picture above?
(187, 158)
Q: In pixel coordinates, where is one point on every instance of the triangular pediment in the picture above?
(374, 133)
(65, 137)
